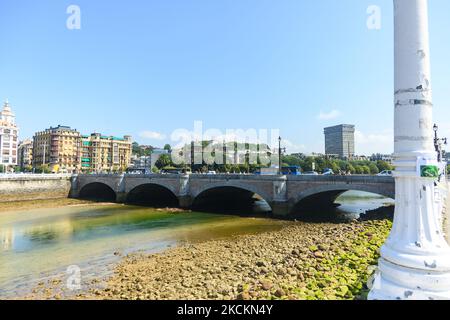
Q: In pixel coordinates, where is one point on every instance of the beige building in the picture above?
(25, 154)
(8, 136)
(59, 148)
(105, 153)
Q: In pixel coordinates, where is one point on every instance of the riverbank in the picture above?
(18, 205)
(31, 187)
(301, 261)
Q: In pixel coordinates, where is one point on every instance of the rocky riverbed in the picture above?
(17, 205)
(301, 261)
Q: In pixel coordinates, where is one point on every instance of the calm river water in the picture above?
(36, 244)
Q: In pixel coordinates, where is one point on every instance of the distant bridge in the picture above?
(283, 193)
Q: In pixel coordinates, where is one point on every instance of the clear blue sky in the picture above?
(149, 67)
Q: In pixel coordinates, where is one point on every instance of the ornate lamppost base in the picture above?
(394, 282)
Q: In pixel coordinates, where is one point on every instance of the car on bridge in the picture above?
(310, 173)
(286, 170)
(138, 171)
(385, 173)
(291, 170)
(176, 171)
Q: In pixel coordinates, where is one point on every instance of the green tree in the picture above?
(366, 169)
(235, 168)
(373, 168)
(308, 164)
(43, 169)
(334, 166)
(164, 160)
(167, 147)
(291, 160)
(349, 168)
(155, 170)
(359, 169)
(383, 165)
(136, 149)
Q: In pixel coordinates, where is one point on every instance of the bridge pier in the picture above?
(121, 197)
(185, 201)
(280, 209)
(74, 190)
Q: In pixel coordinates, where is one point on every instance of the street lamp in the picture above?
(415, 259)
(438, 142)
(247, 159)
(280, 151)
(224, 155)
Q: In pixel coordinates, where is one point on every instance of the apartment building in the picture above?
(105, 153)
(25, 154)
(59, 148)
(8, 136)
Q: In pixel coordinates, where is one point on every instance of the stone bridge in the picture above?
(282, 193)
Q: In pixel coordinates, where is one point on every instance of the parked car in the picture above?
(271, 171)
(310, 173)
(211, 172)
(385, 173)
(138, 171)
(172, 171)
(328, 172)
(291, 170)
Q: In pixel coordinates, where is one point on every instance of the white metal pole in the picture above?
(415, 260)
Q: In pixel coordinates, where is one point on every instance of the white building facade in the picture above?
(9, 133)
(25, 154)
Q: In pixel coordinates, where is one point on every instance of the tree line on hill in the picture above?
(306, 163)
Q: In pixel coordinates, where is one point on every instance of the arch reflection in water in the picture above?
(338, 205)
(97, 191)
(152, 195)
(231, 200)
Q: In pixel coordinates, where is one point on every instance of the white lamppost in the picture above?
(415, 260)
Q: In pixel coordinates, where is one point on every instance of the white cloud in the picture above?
(333, 114)
(293, 147)
(152, 135)
(369, 143)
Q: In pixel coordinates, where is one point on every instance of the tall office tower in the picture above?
(340, 141)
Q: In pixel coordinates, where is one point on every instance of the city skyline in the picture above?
(182, 61)
(204, 137)
(238, 139)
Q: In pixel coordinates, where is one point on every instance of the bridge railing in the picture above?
(306, 178)
(350, 178)
(6, 176)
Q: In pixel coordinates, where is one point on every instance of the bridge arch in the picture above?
(97, 191)
(325, 195)
(230, 198)
(152, 194)
(232, 184)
